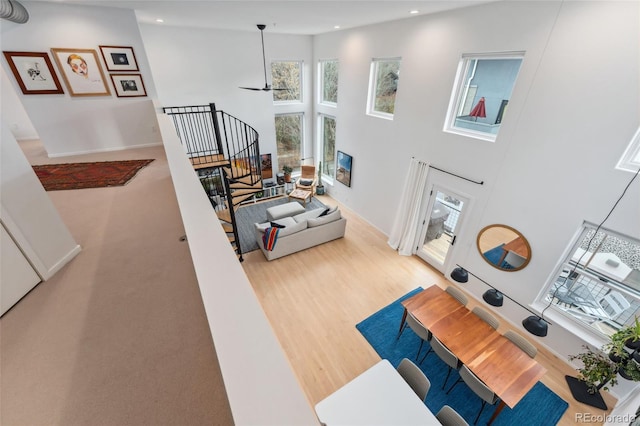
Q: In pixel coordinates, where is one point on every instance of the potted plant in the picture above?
(597, 370)
(287, 173)
(320, 186)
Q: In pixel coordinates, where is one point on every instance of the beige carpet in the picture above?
(119, 335)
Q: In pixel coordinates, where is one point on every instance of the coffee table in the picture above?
(301, 195)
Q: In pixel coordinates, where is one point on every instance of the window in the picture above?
(328, 138)
(598, 284)
(383, 85)
(481, 94)
(329, 82)
(286, 75)
(289, 140)
(630, 161)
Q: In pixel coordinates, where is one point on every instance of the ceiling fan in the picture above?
(267, 87)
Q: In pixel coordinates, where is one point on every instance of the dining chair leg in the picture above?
(454, 385)
(419, 349)
(446, 378)
(425, 355)
(480, 412)
(403, 323)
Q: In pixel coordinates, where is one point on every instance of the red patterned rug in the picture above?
(56, 177)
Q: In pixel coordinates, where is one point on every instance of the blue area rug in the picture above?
(494, 254)
(539, 407)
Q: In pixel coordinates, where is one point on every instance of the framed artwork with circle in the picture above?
(119, 58)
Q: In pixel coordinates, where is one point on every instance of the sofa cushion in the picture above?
(331, 217)
(285, 221)
(305, 182)
(311, 214)
(329, 210)
(292, 229)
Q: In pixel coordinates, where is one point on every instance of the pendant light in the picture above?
(534, 324)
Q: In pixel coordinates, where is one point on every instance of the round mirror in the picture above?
(504, 248)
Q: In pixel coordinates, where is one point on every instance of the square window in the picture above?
(286, 81)
(630, 160)
(383, 85)
(480, 97)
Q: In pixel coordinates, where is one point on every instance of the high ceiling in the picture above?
(287, 17)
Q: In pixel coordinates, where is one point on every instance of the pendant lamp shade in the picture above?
(493, 297)
(460, 275)
(535, 325)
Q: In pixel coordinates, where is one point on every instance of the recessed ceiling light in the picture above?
(336, 27)
(160, 20)
(413, 12)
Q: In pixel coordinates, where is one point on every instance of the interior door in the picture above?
(17, 277)
(443, 218)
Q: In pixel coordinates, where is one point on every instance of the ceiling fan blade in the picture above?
(251, 88)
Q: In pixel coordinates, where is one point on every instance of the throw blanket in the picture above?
(270, 237)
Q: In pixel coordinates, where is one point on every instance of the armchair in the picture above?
(307, 180)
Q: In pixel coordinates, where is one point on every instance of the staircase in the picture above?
(225, 154)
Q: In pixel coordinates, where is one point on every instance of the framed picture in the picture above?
(128, 85)
(81, 72)
(343, 173)
(34, 73)
(119, 58)
(266, 166)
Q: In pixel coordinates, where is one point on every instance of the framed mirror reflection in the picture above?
(504, 247)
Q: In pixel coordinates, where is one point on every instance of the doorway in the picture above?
(443, 218)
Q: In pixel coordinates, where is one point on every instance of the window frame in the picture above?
(460, 87)
(321, 117)
(300, 114)
(630, 160)
(373, 83)
(300, 63)
(564, 317)
(321, 82)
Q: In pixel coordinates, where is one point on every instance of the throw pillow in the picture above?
(305, 182)
(324, 213)
(276, 225)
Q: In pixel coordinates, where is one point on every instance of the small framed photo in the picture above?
(343, 173)
(128, 85)
(81, 72)
(34, 73)
(119, 58)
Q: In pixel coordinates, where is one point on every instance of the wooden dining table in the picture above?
(505, 368)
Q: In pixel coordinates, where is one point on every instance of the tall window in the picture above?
(630, 161)
(481, 94)
(289, 140)
(329, 82)
(598, 284)
(328, 138)
(286, 80)
(383, 85)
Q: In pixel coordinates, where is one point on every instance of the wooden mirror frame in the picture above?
(506, 236)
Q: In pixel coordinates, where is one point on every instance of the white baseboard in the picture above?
(95, 151)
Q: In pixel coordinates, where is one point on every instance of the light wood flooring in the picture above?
(315, 298)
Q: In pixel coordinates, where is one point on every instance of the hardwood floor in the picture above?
(315, 298)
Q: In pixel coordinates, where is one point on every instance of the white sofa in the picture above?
(302, 231)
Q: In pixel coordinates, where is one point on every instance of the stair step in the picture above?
(232, 239)
(237, 199)
(204, 161)
(245, 182)
(236, 172)
(227, 227)
(224, 215)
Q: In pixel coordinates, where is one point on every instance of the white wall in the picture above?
(573, 111)
(76, 125)
(195, 66)
(12, 111)
(33, 221)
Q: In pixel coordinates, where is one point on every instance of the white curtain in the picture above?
(405, 226)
